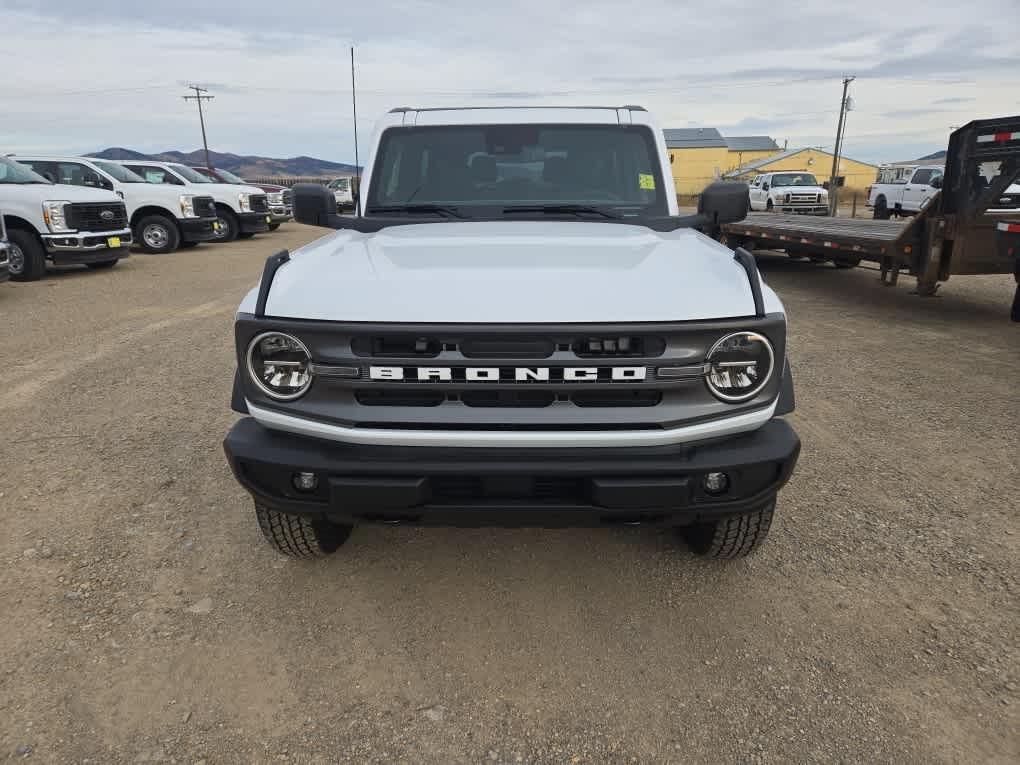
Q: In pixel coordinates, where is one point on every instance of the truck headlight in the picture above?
(275, 197)
(280, 365)
(244, 202)
(53, 214)
(188, 206)
(825, 195)
(739, 366)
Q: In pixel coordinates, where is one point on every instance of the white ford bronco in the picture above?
(518, 330)
(57, 223)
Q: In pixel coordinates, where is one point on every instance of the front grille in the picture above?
(205, 207)
(288, 197)
(259, 203)
(804, 198)
(104, 216)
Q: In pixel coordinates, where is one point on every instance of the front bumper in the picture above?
(281, 213)
(88, 246)
(254, 223)
(199, 229)
(511, 487)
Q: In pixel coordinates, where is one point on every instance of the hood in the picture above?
(212, 189)
(61, 191)
(270, 187)
(512, 272)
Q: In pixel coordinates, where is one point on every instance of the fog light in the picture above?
(716, 483)
(305, 481)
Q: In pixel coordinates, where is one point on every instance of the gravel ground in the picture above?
(144, 620)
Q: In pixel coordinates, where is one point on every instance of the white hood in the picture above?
(56, 191)
(512, 272)
(216, 189)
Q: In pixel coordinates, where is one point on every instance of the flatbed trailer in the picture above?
(954, 234)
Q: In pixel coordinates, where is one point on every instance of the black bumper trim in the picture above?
(511, 487)
(253, 223)
(78, 257)
(198, 229)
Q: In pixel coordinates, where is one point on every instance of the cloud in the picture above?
(281, 79)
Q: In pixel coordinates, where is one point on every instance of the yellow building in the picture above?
(699, 156)
(857, 176)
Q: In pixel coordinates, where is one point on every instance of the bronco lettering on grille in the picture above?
(508, 374)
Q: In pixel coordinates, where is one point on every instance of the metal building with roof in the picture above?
(856, 175)
(702, 155)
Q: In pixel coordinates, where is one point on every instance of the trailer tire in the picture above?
(846, 262)
(881, 209)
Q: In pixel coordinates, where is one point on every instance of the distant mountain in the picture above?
(934, 155)
(245, 166)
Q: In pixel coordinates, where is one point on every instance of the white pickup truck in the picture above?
(5, 251)
(796, 191)
(907, 195)
(161, 217)
(60, 224)
(519, 329)
(242, 211)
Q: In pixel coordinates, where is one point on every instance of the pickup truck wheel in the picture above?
(229, 227)
(300, 537)
(102, 264)
(733, 537)
(273, 226)
(27, 259)
(881, 209)
(157, 234)
(768, 206)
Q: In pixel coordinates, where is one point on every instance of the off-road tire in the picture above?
(273, 226)
(300, 537)
(881, 210)
(33, 256)
(102, 264)
(733, 537)
(228, 224)
(159, 244)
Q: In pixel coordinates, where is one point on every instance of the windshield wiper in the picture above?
(445, 210)
(561, 210)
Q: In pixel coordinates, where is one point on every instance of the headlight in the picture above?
(188, 206)
(53, 214)
(244, 202)
(739, 366)
(275, 197)
(280, 365)
(825, 195)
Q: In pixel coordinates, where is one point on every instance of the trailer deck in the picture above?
(858, 237)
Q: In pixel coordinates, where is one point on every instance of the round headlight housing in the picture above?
(738, 366)
(280, 365)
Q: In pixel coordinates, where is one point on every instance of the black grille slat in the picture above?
(477, 488)
(205, 207)
(259, 203)
(89, 216)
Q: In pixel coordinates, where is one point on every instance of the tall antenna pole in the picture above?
(357, 164)
(201, 118)
(833, 187)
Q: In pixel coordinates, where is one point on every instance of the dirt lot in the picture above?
(144, 620)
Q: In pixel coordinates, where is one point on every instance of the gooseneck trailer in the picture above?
(958, 232)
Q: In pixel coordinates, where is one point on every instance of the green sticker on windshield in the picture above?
(646, 181)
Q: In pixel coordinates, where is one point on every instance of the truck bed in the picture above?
(862, 236)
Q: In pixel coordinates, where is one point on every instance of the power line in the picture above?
(199, 98)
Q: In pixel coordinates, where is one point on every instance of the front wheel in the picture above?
(273, 226)
(733, 537)
(300, 537)
(229, 227)
(27, 258)
(881, 209)
(768, 206)
(157, 234)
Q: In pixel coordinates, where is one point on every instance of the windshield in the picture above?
(481, 167)
(188, 174)
(229, 177)
(12, 172)
(340, 184)
(118, 172)
(794, 179)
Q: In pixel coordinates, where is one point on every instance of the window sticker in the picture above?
(646, 181)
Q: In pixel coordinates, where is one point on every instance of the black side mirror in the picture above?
(724, 202)
(765, 186)
(936, 183)
(314, 205)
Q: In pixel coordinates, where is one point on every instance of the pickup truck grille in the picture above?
(802, 198)
(259, 203)
(525, 378)
(104, 216)
(288, 197)
(205, 207)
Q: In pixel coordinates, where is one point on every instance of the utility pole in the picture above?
(199, 97)
(833, 187)
(357, 165)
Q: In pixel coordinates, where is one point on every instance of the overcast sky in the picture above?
(78, 80)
